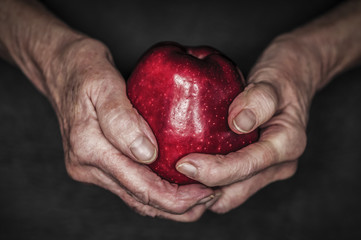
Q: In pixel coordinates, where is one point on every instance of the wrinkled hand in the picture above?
(106, 141)
(276, 99)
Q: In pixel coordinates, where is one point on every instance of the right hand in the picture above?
(106, 142)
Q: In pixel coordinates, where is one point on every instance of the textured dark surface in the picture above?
(39, 201)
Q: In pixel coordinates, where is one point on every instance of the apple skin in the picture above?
(184, 94)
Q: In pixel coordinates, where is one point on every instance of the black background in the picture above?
(39, 201)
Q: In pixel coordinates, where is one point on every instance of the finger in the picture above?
(121, 123)
(279, 142)
(236, 194)
(149, 189)
(97, 177)
(190, 215)
(253, 107)
(90, 148)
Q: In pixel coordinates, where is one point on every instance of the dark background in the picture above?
(39, 201)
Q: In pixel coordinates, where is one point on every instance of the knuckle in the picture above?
(82, 144)
(264, 156)
(217, 172)
(74, 171)
(143, 210)
(79, 171)
(266, 92)
(264, 100)
(178, 203)
(244, 169)
(133, 202)
(180, 209)
(170, 201)
(288, 170)
(222, 207)
(287, 141)
(220, 172)
(172, 204)
(192, 215)
(82, 150)
(125, 120)
(301, 143)
(141, 196)
(297, 139)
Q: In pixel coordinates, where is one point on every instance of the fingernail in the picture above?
(210, 203)
(206, 199)
(187, 169)
(143, 150)
(244, 121)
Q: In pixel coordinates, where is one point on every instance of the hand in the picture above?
(276, 99)
(106, 142)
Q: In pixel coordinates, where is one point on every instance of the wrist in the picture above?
(322, 61)
(37, 54)
(30, 36)
(334, 40)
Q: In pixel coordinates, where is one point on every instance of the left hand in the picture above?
(277, 98)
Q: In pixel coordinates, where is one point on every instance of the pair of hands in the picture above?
(107, 142)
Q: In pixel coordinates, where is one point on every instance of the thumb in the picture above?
(123, 126)
(253, 107)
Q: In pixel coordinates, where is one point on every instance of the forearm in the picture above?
(30, 37)
(334, 40)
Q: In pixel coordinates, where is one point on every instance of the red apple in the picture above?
(184, 94)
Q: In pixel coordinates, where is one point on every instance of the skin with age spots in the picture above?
(107, 143)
